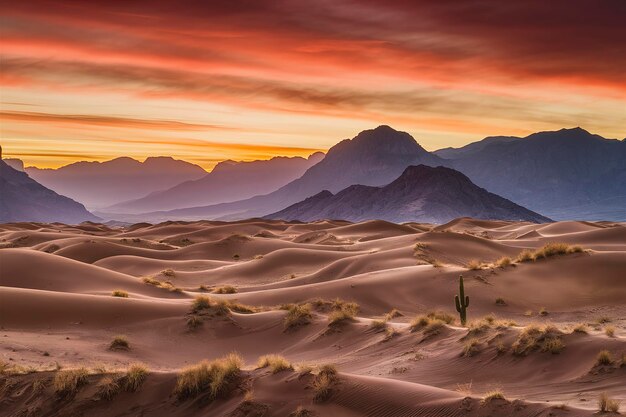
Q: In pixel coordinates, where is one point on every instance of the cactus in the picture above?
(462, 302)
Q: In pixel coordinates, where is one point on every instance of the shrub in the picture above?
(604, 358)
(151, 281)
(607, 405)
(429, 324)
(67, 382)
(580, 328)
(609, 331)
(342, 311)
(108, 388)
(297, 315)
(119, 293)
(217, 376)
(533, 337)
(276, 363)
(119, 342)
(525, 256)
(135, 375)
(553, 346)
(547, 251)
(393, 314)
(440, 315)
(495, 394)
(226, 289)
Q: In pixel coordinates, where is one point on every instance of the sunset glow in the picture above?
(208, 81)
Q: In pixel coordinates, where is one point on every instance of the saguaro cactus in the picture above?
(462, 302)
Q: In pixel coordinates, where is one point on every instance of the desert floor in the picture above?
(538, 345)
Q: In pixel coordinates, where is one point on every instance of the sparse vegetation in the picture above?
(604, 358)
(226, 289)
(342, 311)
(297, 315)
(504, 262)
(119, 293)
(580, 328)
(495, 394)
(607, 404)
(217, 376)
(429, 324)
(534, 337)
(462, 302)
(168, 273)
(609, 331)
(547, 251)
(67, 382)
(134, 377)
(108, 388)
(474, 265)
(323, 382)
(301, 412)
(200, 303)
(603, 320)
(119, 342)
(193, 322)
(543, 311)
(471, 347)
(276, 363)
(500, 301)
(393, 314)
(378, 325)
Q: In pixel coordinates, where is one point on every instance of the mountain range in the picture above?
(228, 181)
(23, 199)
(421, 193)
(101, 184)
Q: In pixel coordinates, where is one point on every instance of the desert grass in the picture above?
(393, 314)
(495, 394)
(119, 293)
(323, 382)
(200, 303)
(607, 404)
(474, 265)
(342, 311)
(168, 272)
(428, 324)
(297, 315)
(548, 251)
(500, 301)
(119, 342)
(276, 363)
(580, 328)
(378, 325)
(134, 377)
(166, 285)
(300, 411)
(609, 331)
(604, 358)
(503, 262)
(194, 322)
(217, 376)
(603, 320)
(543, 311)
(203, 304)
(68, 382)
(108, 388)
(226, 289)
(471, 348)
(535, 337)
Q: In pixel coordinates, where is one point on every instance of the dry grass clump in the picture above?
(301, 412)
(323, 382)
(200, 303)
(297, 315)
(67, 382)
(217, 376)
(193, 322)
(378, 325)
(166, 285)
(151, 281)
(429, 324)
(604, 358)
(471, 347)
(226, 289)
(134, 377)
(342, 311)
(547, 251)
(108, 388)
(119, 293)
(393, 314)
(603, 320)
(607, 405)
(534, 337)
(119, 342)
(580, 328)
(495, 394)
(168, 272)
(474, 265)
(543, 311)
(276, 363)
(500, 301)
(609, 331)
(203, 304)
(504, 262)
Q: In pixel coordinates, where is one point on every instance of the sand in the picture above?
(57, 312)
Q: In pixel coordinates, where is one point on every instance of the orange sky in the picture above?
(207, 81)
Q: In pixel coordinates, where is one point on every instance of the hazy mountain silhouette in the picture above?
(25, 200)
(228, 181)
(473, 148)
(421, 193)
(565, 174)
(101, 184)
(373, 157)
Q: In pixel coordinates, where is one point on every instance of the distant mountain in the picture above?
(101, 184)
(473, 148)
(421, 193)
(228, 181)
(565, 174)
(16, 164)
(25, 200)
(373, 157)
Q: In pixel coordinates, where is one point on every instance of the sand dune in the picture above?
(57, 284)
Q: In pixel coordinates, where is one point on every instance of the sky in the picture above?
(206, 81)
